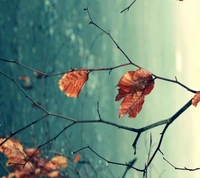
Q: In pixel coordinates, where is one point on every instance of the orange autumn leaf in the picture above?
(131, 105)
(35, 167)
(133, 81)
(72, 82)
(196, 99)
(13, 150)
(57, 162)
(77, 158)
(53, 174)
(133, 86)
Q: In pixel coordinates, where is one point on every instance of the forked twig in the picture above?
(106, 160)
(93, 23)
(127, 8)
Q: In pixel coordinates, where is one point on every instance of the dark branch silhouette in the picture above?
(127, 8)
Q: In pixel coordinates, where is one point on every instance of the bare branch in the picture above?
(62, 73)
(171, 120)
(93, 23)
(174, 81)
(95, 69)
(138, 131)
(181, 168)
(127, 8)
(107, 161)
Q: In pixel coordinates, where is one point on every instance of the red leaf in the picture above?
(145, 80)
(196, 99)
(132, 105)
(133, 86)
(77, 158)
(121, 94)
(133, 81)
(72, 82)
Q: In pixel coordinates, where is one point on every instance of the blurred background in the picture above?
(54, 36)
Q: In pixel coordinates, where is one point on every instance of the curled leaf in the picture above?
(25, 78)
(27, 81)
(133, 86)
(72, 82)
(196, 99)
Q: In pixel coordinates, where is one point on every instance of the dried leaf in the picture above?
(77, 158)
(57, 162)
(27, 81)
(35, 167)
(25, 78)
(38, 75)
(53, 174)
(131, 105)
(133, 81)
(196, 99)
(145, 80)
(13, 150)
(133, 86)
(72, 82)
(31, 151)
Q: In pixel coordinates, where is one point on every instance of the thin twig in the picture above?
(108, 161)
(176, 82)
(127, 8)
(93, 23)
(171, 120)
(72, 70)
(96, 69)
(139, 131)
(181, 168)
(23, 128)
(47, 142)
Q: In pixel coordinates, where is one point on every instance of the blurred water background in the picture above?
(54, 36)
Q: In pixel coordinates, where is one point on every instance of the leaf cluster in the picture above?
(35, 167)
